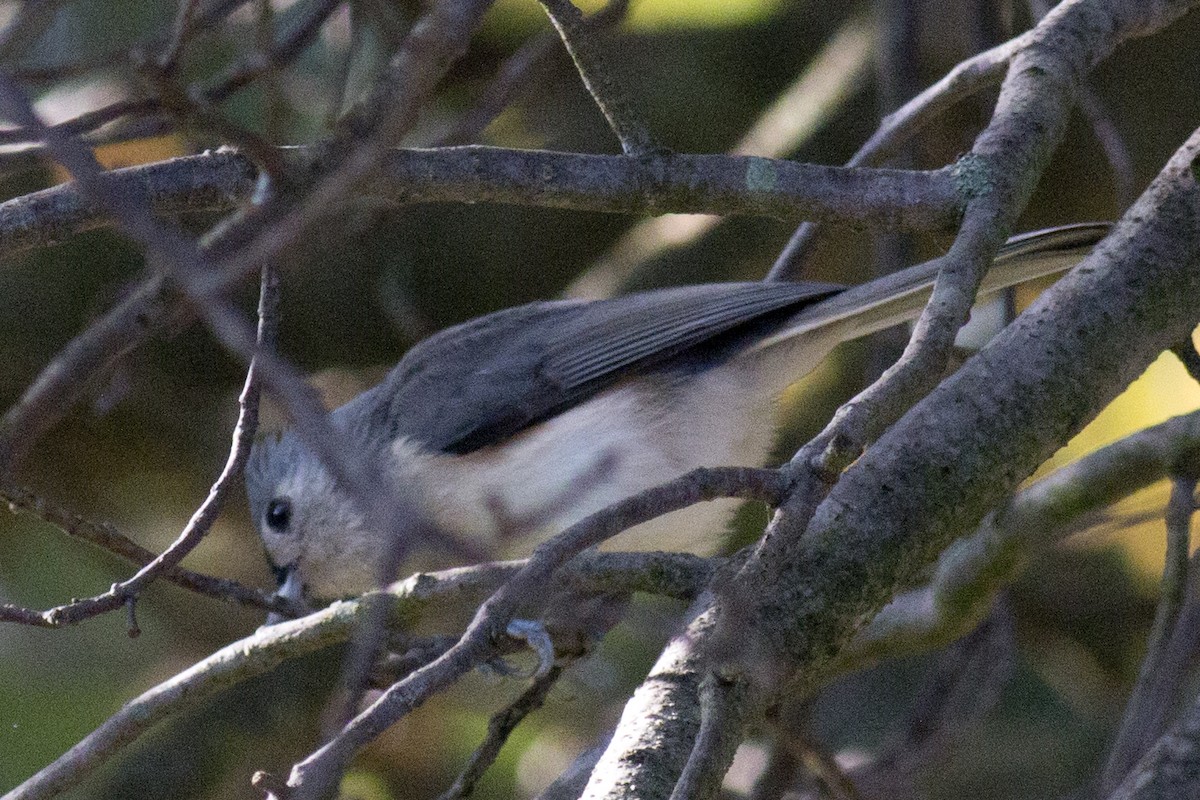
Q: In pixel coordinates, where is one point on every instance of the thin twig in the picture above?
(32, 20)
(1112, 143)
(834, 781)
(681, 183)
(63, 70)
(86, 122)
(590, 60)
(279, 54)
(800, 110)
(364, 137)
(192, 110)
(194, 106)
(516, 73)
(1133, 737)
(968, 77)
(345, 64)
(897, 71)
(500, 727)
(1171, 767)
(113, 541)
(959, 689)
(410, 655)
(571, 782)
(181, 32)
(202, 520)
(722, 718)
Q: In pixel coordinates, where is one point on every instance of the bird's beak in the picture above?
(291, 588)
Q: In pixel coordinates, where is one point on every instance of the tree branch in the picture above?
(803, 108)
(972, 572)
(827, 565)
(500, 727)
(901, 126)
(959, 451)
(1172, 766)
(598, 183)
(592, 65)
(1134, 735)
(110, 540)
(125, 593)
(675, 575)
(515, 74)
(315, 775)
(673, 183)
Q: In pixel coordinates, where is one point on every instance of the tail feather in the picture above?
(899, 297)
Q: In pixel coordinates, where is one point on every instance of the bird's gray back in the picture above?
(480, 382)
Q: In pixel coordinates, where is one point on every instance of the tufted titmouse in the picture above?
(548, 412)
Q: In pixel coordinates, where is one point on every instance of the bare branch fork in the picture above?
(107, 538)
(126, 592)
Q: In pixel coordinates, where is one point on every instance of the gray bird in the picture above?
(536, 416)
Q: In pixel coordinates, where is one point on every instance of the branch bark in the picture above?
(973, 571)
(665, 183)
(671, 575)
(963, 448)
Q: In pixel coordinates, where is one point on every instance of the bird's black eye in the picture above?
(279, 514)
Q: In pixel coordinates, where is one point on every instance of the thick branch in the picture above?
(660, 723)
(804, 594)
(710, 184)
(972, 572)
(999, 174)
(962, 449)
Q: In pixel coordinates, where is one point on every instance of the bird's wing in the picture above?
(481, 382)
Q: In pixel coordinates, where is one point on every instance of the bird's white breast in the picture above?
(622, 441)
